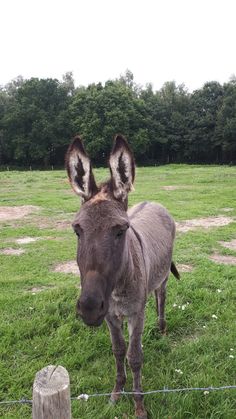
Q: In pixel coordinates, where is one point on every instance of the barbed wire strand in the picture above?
(131, 393)
(22, 401)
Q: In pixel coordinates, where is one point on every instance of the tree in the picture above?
(98, 113)
(226, 124)
(68, 83)
(174, 104)
(39, 116)
(36, 121)
(201, 145)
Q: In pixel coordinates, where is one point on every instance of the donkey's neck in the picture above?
(132, 274)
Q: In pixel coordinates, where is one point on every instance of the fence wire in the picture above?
(85, 396)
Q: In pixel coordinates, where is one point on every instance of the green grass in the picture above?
(38, 330)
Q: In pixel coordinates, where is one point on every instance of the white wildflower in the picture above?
(178, 371)
(83, 397)
(183, 307)
(206, 393)
(231, 356)
(174, 305)
(204, 327)
(31, 308)
(214, 316)
(219, 290)
(231, 349)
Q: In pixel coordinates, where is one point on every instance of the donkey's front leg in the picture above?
(135, 359)
(115, 325)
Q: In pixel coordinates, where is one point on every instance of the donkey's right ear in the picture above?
(122, 168)
(79, 170)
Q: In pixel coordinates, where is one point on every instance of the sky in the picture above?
(189, 41)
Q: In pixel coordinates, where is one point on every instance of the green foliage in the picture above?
(226, 122)
(41, 329)
(35, 123)
(38, 118)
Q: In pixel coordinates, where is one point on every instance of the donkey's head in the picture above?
(100, 225)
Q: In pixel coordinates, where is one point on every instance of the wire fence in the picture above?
(85, 396)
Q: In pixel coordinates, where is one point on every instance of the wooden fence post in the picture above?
(51, 394)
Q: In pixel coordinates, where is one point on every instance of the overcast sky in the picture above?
(189, 41)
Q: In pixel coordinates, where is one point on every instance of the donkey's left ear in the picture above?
(122, 168)
(79, 170)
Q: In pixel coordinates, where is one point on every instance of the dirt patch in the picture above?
(12, 252)
(43, 222)
(62, 224)
(229, 245)
(70, 267)
(15, 213)
(209, 222)
(185, 268)
(225, 260)
(171, 187)
(227, 209)
(52, 238)
(28, 215)
(36, 290)
(26, 240)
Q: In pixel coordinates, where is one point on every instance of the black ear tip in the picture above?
(120, 141)
(120, 138)
(77, 138)
(77, 143)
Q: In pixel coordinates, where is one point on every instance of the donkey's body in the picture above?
(122, 255)
(149, 241)
(156, 230)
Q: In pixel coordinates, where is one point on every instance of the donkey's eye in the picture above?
(77, 229)
(120, 229)
(120, 233)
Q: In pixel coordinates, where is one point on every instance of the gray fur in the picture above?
(123, 256)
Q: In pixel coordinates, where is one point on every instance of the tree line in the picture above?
(38, 117)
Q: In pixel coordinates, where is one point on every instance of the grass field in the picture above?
(40, 328)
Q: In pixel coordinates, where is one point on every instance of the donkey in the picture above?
(123, 255)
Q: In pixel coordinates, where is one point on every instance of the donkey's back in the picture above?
(155, 229)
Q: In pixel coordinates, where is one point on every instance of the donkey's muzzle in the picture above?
(92, 309)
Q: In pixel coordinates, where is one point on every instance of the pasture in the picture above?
(37, 299)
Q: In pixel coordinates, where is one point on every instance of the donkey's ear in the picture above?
(79, 170)
(122, 168)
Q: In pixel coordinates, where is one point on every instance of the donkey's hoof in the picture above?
(162, 327)
(141, 414)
